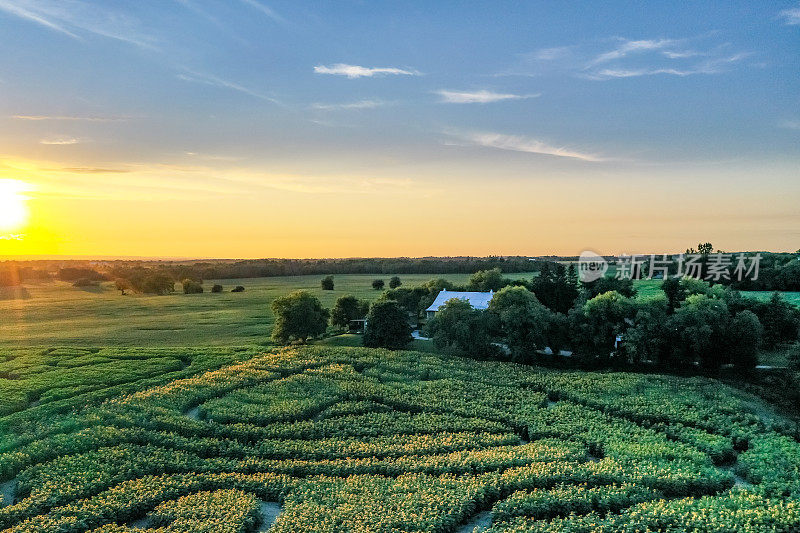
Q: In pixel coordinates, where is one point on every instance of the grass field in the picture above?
(330, 439)
(60, 314)
(647, 288)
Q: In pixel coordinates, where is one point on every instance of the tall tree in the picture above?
(387, 326)
(298, 317)
(348, 308)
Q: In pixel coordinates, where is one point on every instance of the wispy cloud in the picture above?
(70, 117)
(479, 97)
(519, 143)
(626, 48)
(208, 79)
(265, 10)
(355, 71)
(76, 17)
(791, 16)
(361, 104)
(60, 140)
(629, 58)
(790, 124)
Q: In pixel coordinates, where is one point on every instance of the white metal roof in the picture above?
(478, 300)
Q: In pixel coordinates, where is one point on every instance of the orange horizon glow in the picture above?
(191, 211)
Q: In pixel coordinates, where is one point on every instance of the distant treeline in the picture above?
(261, 268)
(140, 273)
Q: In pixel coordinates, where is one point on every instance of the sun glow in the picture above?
(13, 208)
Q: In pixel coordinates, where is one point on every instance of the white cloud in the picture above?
(791, 17)
(265, 10)
(790, 124)
(628, 58)
(60, 140)
(72, 17)
(518, 143)
(355, 71)
(479, 97)
(627, 47)
(361, 104)
(208, 79)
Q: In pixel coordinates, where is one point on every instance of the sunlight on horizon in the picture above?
(13, 204)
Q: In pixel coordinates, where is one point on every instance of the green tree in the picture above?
(191, 286)
(377, 284)
(487, 280)
(217, 288)
(152, 283)
(458, 327)
(327, 283)
(744, 338)
(556, 287)
(705, 248)
(675, 293)
(387, 326)
(624, 287)
(348, 308)
(702, 326)
(607, 315)
(520, 320)
(650, 338)
(793, 357)
(394, 282)
(298, 317)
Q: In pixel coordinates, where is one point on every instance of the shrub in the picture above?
(377, 284)
(85, 282)
(122, 285)
(387, 326)
(327, 283)
(238, 288)
(216, 288)
(394, 282)
(298, 316)
(191, 286)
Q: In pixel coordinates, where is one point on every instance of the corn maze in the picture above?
(349, 439)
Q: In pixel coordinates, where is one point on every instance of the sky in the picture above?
(265, 128)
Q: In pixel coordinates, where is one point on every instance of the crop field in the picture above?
(354, 439)
(59, 314)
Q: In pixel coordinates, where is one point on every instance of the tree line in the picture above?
(692, 325)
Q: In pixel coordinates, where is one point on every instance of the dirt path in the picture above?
(479, 522)
(9, 491)
(270, 512)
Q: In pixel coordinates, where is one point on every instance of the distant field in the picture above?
(647, 288)
(60, 314)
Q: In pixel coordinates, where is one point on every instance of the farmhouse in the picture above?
(478, 300)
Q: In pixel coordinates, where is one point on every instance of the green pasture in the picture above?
(59, 314)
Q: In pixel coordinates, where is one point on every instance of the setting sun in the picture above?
(13, 210)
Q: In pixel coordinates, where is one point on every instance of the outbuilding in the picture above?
(478, 300)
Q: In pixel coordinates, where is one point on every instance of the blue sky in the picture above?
(338, 102)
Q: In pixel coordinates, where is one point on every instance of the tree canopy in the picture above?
(387, 326)
(298, 317)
